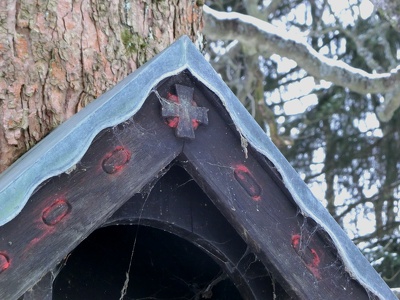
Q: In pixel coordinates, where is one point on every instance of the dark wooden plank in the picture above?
(118, 164)
(177, 204)
(130, 157)
(251, 196)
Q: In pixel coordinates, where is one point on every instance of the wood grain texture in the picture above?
(177, 205)
(260, 214)
(77, 203)
(250, 194)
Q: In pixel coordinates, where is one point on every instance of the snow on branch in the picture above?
(267, 38)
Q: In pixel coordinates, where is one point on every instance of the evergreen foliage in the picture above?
(337, 142)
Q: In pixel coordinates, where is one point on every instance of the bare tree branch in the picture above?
(396, 292)
(252, 9)
(390, 9)
(272, 7)
(263, 13)
(267, 38)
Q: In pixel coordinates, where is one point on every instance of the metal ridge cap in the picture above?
(53, 155)
(355, 263)
(123, 101)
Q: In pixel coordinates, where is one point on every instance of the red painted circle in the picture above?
(4, 262)
(115, 161)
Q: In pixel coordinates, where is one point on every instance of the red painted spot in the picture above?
(173, 98)
(316, 260)
(248, 182)
(4, 262)
(116, 160)
(32, 244)
(195, 123)
(35, 241)
(56, 212)
(174, 121)
(313, 265)
(296, 241)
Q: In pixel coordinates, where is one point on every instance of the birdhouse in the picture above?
(166, 188)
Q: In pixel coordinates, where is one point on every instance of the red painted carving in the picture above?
(56, 212)
(182, 113)
(310, 257)
(4, 262)
(248, 182)
(115, 161)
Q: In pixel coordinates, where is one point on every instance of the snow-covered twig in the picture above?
(267, 38)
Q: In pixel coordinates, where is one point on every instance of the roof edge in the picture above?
(355, 262)
(53, 155)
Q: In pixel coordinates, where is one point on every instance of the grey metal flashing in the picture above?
(66, 145)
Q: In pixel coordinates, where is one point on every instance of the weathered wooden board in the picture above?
(184, 123)
(177, 205)
(221, 147)
(119, 163)
(250, 195)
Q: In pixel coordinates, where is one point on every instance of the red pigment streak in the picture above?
(115, 161)
(174, 121)
(248, 182)
(195, 123)
(45, 224)
(4, 262)
(296, 241)
(314, 271)
(54, 213)
(316, 260)
(44, 231)
(173, 98)
(34, 242)
(242, 168)
(314, 264)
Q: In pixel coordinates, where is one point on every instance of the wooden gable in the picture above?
(171, 148)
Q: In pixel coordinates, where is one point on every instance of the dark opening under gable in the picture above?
(201, 255)
(175, 111)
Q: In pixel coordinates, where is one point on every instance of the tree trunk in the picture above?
(58, 55)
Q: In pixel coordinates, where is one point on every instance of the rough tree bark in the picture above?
(58, 55)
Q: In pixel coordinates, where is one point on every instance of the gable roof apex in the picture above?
(54, 155)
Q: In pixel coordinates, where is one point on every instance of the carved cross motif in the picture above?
(182, 112)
